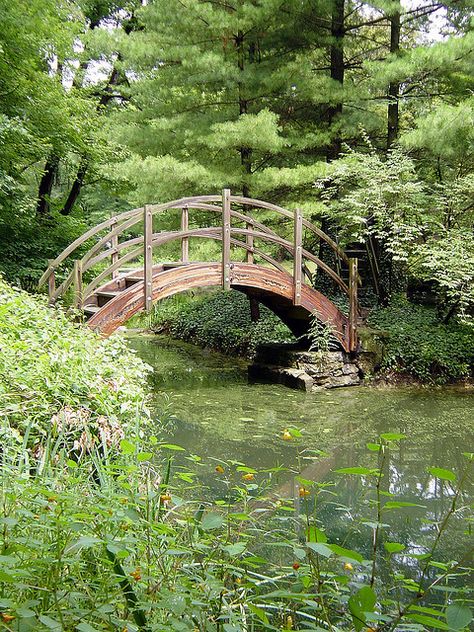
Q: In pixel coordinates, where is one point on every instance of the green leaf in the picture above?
(144, 456)
(313, 534)
(439, 472)
(392, 436)
(397, 504)
(428, 621)
(235, 549)
(259, 613)
(6, 577)
(212, 521)
(127, 447)
(458, 617)
(374, 447)
(50, 623)
(360, 471)
(342, 552)
(25, 613)
(320, 548)
(172, 446)
(85, 627)
(394, 547)
(361, 603)
(85, 542)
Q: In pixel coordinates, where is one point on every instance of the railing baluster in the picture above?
(78, 284)
(226, 239)
(51, 282)
(353, 310)
(185, 240)
(114, 245)
(148, 258)
(249, 239)
(297, 256)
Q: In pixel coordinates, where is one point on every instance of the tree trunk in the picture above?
(75, 189)
(394, 86)
(245, 152)
(326, 254)
(337, 71)
(46, 186)
(81, 172)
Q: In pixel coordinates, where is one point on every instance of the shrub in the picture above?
(220, 320)
(28, 243)
(419, 344)
(56, 372)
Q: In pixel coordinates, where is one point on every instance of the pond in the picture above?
(215, 414)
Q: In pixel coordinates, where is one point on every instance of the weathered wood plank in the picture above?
(226, 280)
(297, 256)
(273, 287)
(148, 257)
(249, 242)
(51, 282)
(185, 240)
(77, 273)
(114, 246)
(353, 304)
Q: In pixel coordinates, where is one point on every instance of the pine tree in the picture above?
(229, 94)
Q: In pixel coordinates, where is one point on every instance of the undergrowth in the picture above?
(417, 343)
(54, 371)
(219, 320)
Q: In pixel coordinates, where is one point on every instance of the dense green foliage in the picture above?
(220, 321)
(126, 541)
(417, 343)
(54, 373)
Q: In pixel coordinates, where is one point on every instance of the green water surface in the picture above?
(212, 411)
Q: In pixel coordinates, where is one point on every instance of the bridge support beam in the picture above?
(148, 258)
(185, 240)
(297, 256)
(114, 241)
(77, 283)
(353, 311)
(51, 281)
(226, 239)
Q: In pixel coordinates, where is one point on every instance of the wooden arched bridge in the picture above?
(109, 295)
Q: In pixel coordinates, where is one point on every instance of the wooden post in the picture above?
(226, 239)
(353, 310)
(297, 256)
(51, 281)
(114, 245)
(249, 240)
(78, 284)
(185, 240)
(148, 258)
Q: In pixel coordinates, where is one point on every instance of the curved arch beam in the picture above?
(276, 285)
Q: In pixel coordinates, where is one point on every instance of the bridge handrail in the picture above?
(159, 239)
(120, 223)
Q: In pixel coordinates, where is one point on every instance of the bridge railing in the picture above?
(115, 246)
